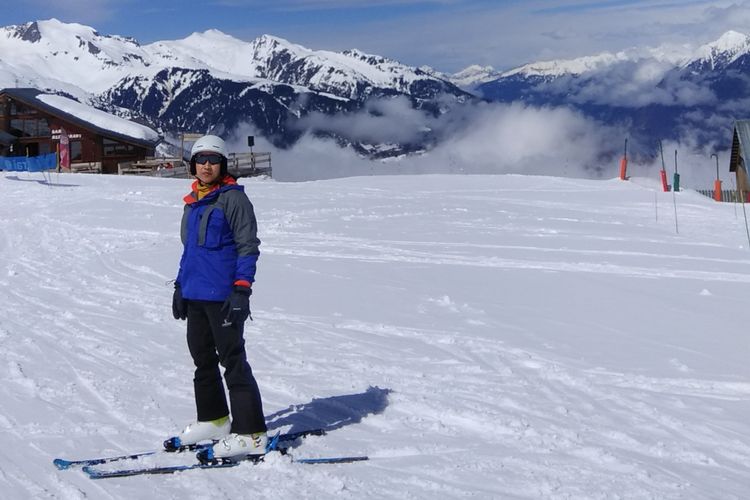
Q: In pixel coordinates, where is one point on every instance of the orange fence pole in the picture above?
(717, 190)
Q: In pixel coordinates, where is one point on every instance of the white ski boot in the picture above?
(241, 445)
(204, 431)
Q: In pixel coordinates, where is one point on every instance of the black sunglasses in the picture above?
(213, 158)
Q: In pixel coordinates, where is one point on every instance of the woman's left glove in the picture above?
(179, 305)
(236, 308)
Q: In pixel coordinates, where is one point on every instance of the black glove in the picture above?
(236, 308)
(179, 305)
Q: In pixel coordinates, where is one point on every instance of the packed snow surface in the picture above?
(508, 337)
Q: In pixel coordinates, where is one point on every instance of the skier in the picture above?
(212, 291)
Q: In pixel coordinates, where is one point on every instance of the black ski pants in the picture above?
(211, 342)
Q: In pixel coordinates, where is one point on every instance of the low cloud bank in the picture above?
(633, 84)
(485, 138)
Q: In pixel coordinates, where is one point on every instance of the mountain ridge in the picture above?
(690, 95)
(284, 91)
(287, 81)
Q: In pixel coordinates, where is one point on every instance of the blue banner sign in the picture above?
(28, 163)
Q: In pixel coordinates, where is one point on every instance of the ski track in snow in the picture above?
(477, 336)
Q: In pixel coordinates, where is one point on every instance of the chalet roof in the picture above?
(740, 145)
(88, 117)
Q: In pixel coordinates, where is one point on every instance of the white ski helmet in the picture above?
(209, 144)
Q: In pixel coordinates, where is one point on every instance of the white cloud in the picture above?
(634, 84)
(504, 139)
(521, 139)
(382, 120)
(484, 138)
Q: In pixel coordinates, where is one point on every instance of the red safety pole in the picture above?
(717, 182)
(624, 163)
(663, 172)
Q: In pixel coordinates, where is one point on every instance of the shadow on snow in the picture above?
(331, 413)
(39, 181)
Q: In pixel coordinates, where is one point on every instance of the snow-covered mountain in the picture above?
(718, 55)
(472, 76)
(68, 57)
(268, 82)
(599, 62)
(667, 92)
(284, 91)
(475, 75)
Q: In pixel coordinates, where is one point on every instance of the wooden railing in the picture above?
(89, 167)
(160, 167)
(250, 164)
(728, 195)
(239, 165)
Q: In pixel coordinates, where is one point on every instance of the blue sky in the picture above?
(445, 34)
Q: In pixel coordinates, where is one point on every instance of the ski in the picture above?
(95, 473)
(63, 464)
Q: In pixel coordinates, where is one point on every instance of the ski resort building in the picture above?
(740, 155)
(33, 123)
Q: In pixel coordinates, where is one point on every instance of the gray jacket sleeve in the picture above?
(241, 217)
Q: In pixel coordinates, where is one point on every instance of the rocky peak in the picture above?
(28, 32)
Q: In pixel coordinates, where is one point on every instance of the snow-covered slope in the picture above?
(575, 66)
(199, 51)
(476, 336)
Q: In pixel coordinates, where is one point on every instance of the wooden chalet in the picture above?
(740, 155)
(31, 123)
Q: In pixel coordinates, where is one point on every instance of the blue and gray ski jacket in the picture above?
(220, 243)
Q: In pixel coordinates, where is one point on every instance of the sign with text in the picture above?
(64, 150)
(57, 133)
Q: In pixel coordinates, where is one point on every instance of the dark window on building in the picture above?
(75, 150)
(19, 109)
(114, 148)
(43, 129)
(29, 128)
(16, 127)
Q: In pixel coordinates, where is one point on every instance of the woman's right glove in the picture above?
(179, 305)
(236, 308)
